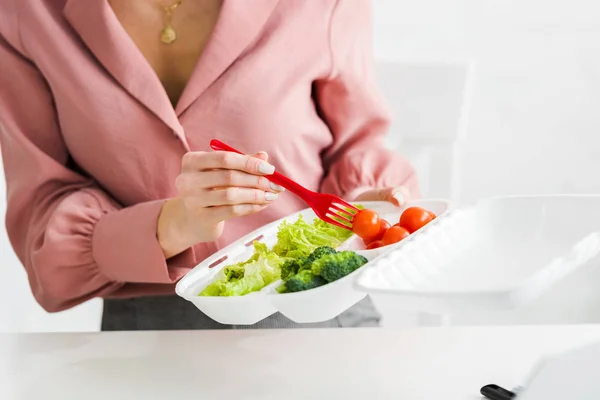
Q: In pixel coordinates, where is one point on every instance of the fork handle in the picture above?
(276, 177)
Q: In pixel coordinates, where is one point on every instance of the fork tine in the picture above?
(339, 220)
(337, 208)
(348, 205)
(332, 214)
(336, 223)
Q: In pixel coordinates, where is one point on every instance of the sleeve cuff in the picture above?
(126, 249)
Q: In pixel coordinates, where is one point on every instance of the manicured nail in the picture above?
(266, 168)
(399, 198)
(271, 196)
(276, 187)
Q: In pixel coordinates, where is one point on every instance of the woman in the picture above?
(107, 109)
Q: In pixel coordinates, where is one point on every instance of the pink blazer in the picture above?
(91, 144)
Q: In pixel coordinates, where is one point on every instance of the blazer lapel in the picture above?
(101, 31)
(239, 24)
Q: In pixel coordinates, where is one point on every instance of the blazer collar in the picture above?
(239, 24)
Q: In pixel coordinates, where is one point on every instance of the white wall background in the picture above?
(533, 125)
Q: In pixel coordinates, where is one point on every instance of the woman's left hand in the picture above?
(398, 196)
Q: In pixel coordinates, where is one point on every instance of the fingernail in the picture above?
(266, 168)
(276, 187)
(399, 198)
(271, 196)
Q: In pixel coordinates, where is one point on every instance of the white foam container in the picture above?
(498, 254)
(315, 305)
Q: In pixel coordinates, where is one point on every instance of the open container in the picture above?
(315, 305)
(498, 254)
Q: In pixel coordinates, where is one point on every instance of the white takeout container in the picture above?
(497, 254)
(315, 305)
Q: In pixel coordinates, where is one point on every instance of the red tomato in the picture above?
(383, 226)
(414, 218)
(366, 224)
(394, 235)
(375, 245)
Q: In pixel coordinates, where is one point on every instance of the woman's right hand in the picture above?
(213, 187)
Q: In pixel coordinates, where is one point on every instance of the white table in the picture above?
(426, 363)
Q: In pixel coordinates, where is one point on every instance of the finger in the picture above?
(236, 195)
(399, 196)
(222, 213)
(194, 182)
(203, 161)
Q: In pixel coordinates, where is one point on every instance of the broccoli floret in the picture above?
(315, 255)
(332, 267)
(304, 280)
(291, 267)
(323, 265)
(320, 252)
(281, 288)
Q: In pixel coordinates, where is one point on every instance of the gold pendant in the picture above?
(168, 35)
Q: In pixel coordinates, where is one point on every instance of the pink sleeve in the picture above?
(74, 240)
(353, 109)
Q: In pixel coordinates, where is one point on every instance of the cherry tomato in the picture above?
(375, 245)
(383, 226)
(414, 218)
(366, 224)
(394, 235)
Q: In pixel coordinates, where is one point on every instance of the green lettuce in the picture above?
(294, 240)
(263, 268)
(300, 239)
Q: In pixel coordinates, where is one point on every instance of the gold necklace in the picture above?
(168, 34)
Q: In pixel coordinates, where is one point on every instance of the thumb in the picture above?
(398, 196)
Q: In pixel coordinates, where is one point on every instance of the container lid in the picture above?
(498, 254)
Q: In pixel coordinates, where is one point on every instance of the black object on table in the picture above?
(495, 392)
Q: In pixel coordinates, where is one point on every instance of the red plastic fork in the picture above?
(326, 206)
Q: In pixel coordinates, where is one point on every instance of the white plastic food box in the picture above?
(315, 305)
(497, 254)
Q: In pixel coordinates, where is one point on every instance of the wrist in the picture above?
(171, 230)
